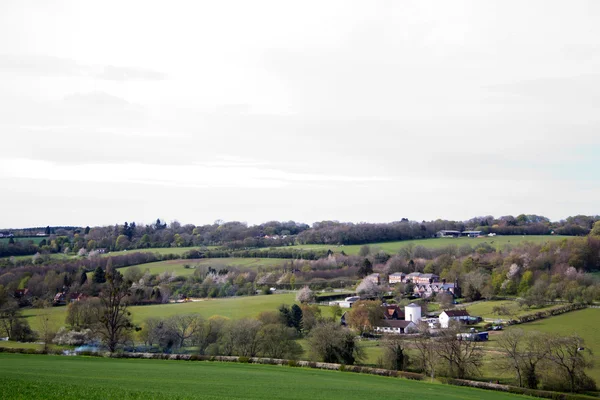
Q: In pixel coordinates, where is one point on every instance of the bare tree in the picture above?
(246, 337)
(114, 321)
(185, 326)
(511, 342)
(464, 357)
(427, 356)
(394, 352)
(570, 356)
(47, 328)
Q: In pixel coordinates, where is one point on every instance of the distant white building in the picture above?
(453, 315)
(412, 312)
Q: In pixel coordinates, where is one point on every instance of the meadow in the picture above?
(435, 243)
(34, 239)
(484, 309)
(178, 251)
(585, 323)
(178, 266)
(58, 377)
(232, 307)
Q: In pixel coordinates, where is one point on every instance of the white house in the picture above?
(397, 327)
(453, 315)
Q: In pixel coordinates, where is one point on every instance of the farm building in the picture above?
(471, 233)
(448, 233)
(395, 327)
(453, 315)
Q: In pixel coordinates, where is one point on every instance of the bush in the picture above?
(243, 359)
(292, 363)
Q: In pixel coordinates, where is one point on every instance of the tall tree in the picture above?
(114, 320)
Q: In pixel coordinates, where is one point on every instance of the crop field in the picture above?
(232, 307)
(484, 309)
(55, 377)
(178, 266)
(435, 243)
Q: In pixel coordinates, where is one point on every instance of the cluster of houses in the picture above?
(425, 285)
(398, 320)
(63, 298)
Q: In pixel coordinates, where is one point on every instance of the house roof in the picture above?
(413, 305)
(395, 323)
(398, 274)
(457, 313)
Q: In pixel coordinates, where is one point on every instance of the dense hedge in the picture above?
(547, 313)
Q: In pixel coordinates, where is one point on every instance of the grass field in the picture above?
(394, 247)
(484, 309)
(177, 266)
(232, 307)
(64, 378)
(585, 323)
(159, 250)
(36, 239)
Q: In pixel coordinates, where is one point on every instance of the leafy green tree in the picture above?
(296, 317)
(330, 342)
(366, 268)
(99, 275)
(595, 229)
(122, 242)
(526, 282)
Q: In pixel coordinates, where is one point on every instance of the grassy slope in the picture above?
(585, 323)
(394, 247)
(55, 377)
(484, 309)
(234, 308)
(177, 266)
(159, 250)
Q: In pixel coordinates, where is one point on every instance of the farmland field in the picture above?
(484, 309)
(232, 307)
(159, 250)
(55, 377)
(585, 323)
(178, 266)
(393, 247)
(34, 239)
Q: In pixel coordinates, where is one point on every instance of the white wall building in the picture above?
(412, 312)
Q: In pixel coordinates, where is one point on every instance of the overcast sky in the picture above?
(114, 111)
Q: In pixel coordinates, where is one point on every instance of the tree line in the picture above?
(238, 235)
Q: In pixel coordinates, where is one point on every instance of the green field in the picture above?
(394, 247)
(35, 239)
(484, 309)
(159, 250)
(64, 378)
(232, 307)
(178, 266)
(585, 323)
